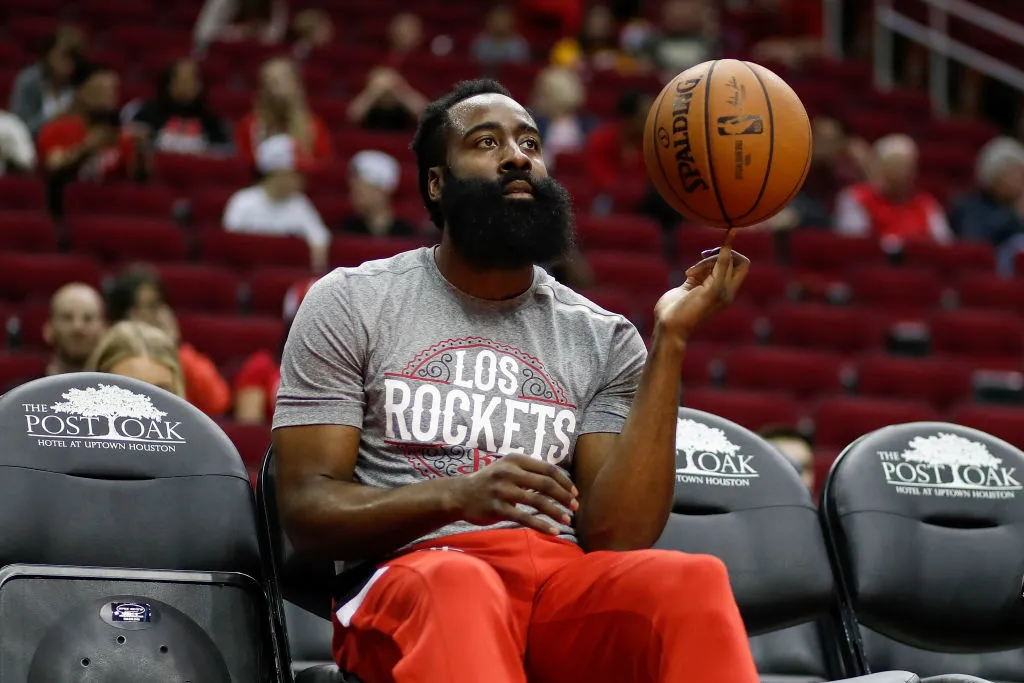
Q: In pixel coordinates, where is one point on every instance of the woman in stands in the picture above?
(281, 107)
(141, 351)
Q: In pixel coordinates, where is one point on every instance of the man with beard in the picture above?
(75, 326)
(87, 143)
(457, 399)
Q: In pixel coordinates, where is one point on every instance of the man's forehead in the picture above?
(488, 107)
(77, 299)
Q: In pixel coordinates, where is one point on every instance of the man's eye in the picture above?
(531, 143)
(487, 142)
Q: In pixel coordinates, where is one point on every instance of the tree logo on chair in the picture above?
(948, 465)
(104, 416)
(708, 457)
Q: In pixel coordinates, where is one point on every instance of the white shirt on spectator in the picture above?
(253, 211)
(15, 144)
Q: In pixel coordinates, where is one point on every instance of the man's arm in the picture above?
(325, 513)
(626, 480)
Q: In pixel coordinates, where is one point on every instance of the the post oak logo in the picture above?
(948, 465)
(104, 416)
(708, 457)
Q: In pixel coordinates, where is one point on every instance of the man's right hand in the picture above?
(491, 494)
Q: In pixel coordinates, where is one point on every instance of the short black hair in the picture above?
(121, 296)
(630, 104)
(429, 141)
(86, 70)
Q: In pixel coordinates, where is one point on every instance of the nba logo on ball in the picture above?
(727, 143)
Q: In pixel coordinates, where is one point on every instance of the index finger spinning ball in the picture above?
(727, 143)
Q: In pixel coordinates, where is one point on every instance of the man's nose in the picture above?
(515, 159)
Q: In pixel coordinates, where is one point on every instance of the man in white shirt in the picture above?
(277, 205)
(16, 147)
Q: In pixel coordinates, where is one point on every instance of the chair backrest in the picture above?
(741, 500)
(123, 501)
(925, 524)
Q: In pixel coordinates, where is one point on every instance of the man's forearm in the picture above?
(631, 496)
(347, 521)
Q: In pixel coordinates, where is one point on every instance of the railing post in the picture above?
(832, 11)
(883, 40)
(938, 72)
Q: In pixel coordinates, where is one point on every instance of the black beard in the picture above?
(493, 232)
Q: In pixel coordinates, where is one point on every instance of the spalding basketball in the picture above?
(727, 143)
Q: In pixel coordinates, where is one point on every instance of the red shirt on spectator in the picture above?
(250, 133)
(862, 210)
(615, 167)
(260, 371)
(68, 132)
(204, 387)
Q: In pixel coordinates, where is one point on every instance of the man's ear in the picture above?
(435, 183)
(48, 333)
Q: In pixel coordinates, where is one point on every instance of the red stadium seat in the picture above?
(251, 440)
(940, 382)
(1004, 422)
(988, 291)
(735, 325)
(951, 260)
(245, 251)
(227, 339)
(268, 286)
(22, 193)
(352, 250)
(37, 276)
(208, 205)
(821, 251)
(844, 330)
(120, 198)
(800, 372)
(118, 239)
(990, 340)
(842, 420)
(625, 233)
(635, 273)
(702, 364)
(910, 293)
(30, 320)
(186, 172)
(691, 240)
(18, 368)
(754, 410)
(194, 287)
(27, 231)
(766, 285)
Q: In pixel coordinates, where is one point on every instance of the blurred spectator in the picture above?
(557, 98)
(890, 206)
(500, 42)
(596, 47)
(311, 30)
(614, 156)
(791, 30)
(17, 151)
(373, 178)
(237, 20)
(89, 143)
(281, 108)
(991, 213)
(178, 120)
(75, 326)
(837, 161)
(566, 12)
(277, 205)
(257, 380)
(140, 351)
(687, 36)
(137, 294)
(405, 39)
(387, 102)
(796, 448)
(44, 91)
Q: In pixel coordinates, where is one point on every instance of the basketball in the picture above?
(727, 143)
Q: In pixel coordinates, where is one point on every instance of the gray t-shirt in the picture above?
(442, 383)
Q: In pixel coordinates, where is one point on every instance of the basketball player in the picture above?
(479, 444)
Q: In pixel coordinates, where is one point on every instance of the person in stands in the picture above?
(500, 42)
(89, 143)
(796, 447)
(44, 90)
(277, 204)
(17, 151)
(373, 178)
(178, 120)
(615, 156)
(257, 380)
(890, 206)
(281, 109)
(141, 351)
(137, 295)
(74, 327)
(265, 21)
(387, 102)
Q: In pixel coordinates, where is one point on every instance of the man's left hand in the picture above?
(711, 284)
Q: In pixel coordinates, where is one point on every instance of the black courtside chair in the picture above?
(925, 526)
(130, 549)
